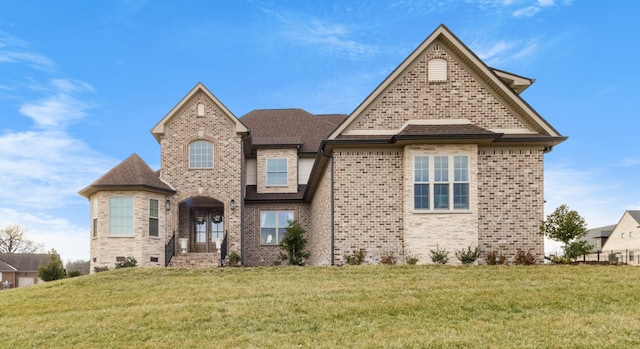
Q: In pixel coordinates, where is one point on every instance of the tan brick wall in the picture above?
(510, 200)
(105, 248)
(452, 230)
(320, 222)
(411, 96)
(256, 254)
(292, 170)
(368, 194)
(222, 182)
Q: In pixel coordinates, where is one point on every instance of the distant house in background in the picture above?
(597, 237)
(21, 269)
(623, 245)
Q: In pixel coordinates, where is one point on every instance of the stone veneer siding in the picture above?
(412, 96)
(451, 230)
(257, 254)
(368, 189)
(104, 248)
(222, 182)
(292, 170)
(510, 201)
(319, 233)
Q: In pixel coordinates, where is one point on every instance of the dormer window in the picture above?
(201, 154)
(277, 172)
(437, 70)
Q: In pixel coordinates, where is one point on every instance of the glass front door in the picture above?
(208, 230)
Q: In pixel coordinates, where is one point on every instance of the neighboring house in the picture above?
(443, 153)
(21, 269)
(623, 245)
(597, 237)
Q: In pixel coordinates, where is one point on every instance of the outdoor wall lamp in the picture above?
(167, 205)
(232, 204)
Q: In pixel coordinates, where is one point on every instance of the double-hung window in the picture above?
(277, 172)
(201, 154)
(273, 225)
(441, 183)
(153, 218)
(121, 216)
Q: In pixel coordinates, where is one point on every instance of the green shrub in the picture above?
(73, 273)
(411, 259)
(523, 258)
(388, 258)
(100, 269)
(439, 255)
(468, 256)
(52, 270)
(234, 259)
(356, 258)
(493, 258)
(129, 262)
(294, 243)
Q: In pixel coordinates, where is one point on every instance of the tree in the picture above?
(76, 266)
(13, 239)
(294, 243)
(567, 226)
(52, 270)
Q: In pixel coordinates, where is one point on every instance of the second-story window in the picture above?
(276, 172)
(201, 154)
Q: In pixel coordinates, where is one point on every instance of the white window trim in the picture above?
(133, 223)
(276, 240)
(213, 155)
(157, 218)
(431, 183)
(286, 172)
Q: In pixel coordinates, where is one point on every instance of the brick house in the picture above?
(444, 152)
(21, 269)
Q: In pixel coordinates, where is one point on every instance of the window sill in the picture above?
(466, 211)
(122, 236)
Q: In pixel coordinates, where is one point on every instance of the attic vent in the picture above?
(437, 70)
(200, 111)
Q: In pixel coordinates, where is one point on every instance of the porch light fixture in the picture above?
(167, 205)
(232, 204)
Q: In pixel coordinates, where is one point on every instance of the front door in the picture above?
(208, 230)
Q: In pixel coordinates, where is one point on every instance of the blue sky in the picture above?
(83, 82)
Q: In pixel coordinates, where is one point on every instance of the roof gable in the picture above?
(158, 129)
(132, 173)
(500, 85)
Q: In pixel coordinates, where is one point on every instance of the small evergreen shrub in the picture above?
(234, 259)
(129, 262)
(493, 258)
(100, 269)
(411, 259)
(468, 256)
(73, 273)
(388, 259)
(523, 258)
(356, 258)
(52, 270)
(439, 255)
(294, 243)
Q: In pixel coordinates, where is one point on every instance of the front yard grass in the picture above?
(330, 307)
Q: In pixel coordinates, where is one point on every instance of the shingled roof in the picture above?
(132, 173)
(23, 261)
(290, 127)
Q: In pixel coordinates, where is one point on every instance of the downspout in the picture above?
(332, 242)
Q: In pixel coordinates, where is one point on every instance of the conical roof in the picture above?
(131, 174)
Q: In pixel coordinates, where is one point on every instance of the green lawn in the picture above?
(349, 307)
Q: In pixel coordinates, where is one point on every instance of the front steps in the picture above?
(195, 260)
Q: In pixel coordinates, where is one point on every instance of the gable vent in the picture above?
(437, 70)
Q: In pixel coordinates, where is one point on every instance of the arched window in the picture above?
(201, 154)
(437, 70)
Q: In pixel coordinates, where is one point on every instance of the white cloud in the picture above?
(14, 50)
(70, 241)
(528, 11)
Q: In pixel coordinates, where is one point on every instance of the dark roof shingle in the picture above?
(24, 261)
